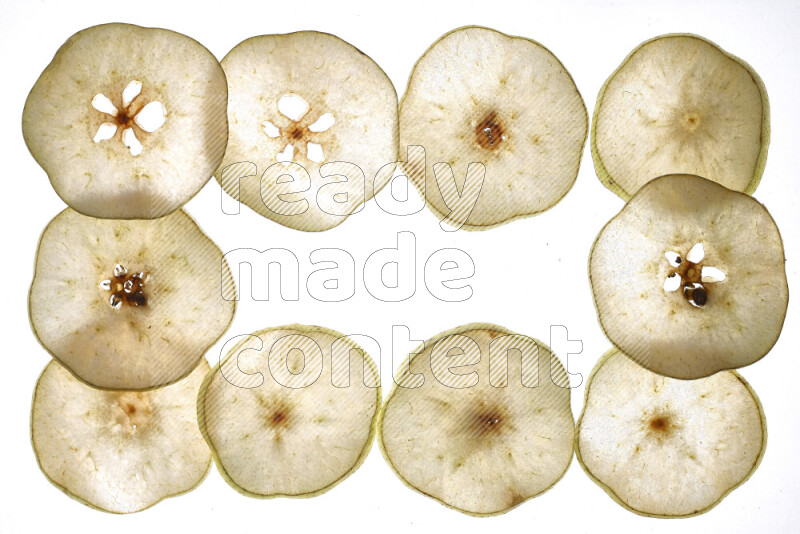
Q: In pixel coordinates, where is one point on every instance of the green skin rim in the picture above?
(199, 358)
(194, 194)
(614, 496)
(81, 500)
(406, 364)
(367, 197)
(201, 418)
(477, 227)
(761, 161)
(594, 295)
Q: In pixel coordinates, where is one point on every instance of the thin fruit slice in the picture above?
(129, 305)
(316, 101)
(664, 447)
(681, 104)
(290, 411)
(689, 279)
(128, 122)
(118, 451)
(479, 96)
(490, 435)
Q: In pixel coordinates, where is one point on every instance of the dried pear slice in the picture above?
(680, 104)
(128, 122)
(664, 447)
(290, 411)
(129, 305)
(479, 443)
(118, 451)
(315, 100)
(480, 96)
(689, 279)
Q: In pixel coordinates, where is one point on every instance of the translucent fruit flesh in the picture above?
(482, 448)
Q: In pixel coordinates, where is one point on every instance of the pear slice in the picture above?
(307, 109)
(129, 305)
(664, 447)
(680, 104)
(128, 122)
(487, 437)
(689, 279)
(118, 451)
(290, 411)
(478, 96)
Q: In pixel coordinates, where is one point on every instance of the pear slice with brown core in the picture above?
(118, 451)
(128, 122)
(478, 96)
(312, 119)
(680, 104)
(290, 411)
(664, 447)
(689, 279)
(487, 436)
(129, 305)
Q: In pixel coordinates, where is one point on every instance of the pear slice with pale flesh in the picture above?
(481, 100)
(118, 451)
(129, 304)
(312, 121)
(680, 104)
(290, 411)
(128, 122)
(689, 278)
(488, 424)
(664, 447)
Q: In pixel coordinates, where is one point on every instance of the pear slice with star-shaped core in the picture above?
(479, 100)
(664, 447)
(129, 304)
(680, 104)
(128, 122)
(118, 451)
(689, 278)
(313, 120)
(486, 436)
(290, 411)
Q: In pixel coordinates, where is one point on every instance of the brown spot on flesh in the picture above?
(484, 420)
(659, 424)
(131, 410)
(489, 133)
(277, 416)
(514, 498)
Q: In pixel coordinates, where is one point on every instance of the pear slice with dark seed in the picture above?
(689, 278)
(129, 304)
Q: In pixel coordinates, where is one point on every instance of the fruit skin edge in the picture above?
(79, 499)
(65, 366)
(611, 352)
(594, 296)
(600, 169)
(473, 227)
(406, 364)
(201, 419)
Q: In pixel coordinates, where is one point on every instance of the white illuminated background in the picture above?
(530, 274)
